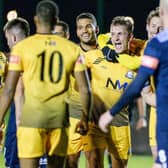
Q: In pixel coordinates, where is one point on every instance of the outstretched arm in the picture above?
(131, 92)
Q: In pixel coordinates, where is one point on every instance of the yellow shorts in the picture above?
(152, 127)
(117, 140)
(34, 142)
(75, 141)
(120, 143)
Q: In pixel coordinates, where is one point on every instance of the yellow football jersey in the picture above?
(109, 80)
(3, 63)
(47, 62)
(103, 39)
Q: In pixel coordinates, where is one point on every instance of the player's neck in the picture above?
(87, 47)
(43, 30)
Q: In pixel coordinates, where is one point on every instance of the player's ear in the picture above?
(36, 20)
(131, 36)
(67, 35)
(161, 11)
(97, 29)
(147, 27)
(56, 19)
(14, 39)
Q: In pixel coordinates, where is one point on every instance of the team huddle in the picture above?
(66, 98)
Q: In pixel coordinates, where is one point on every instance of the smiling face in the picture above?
(86, 31)
(120, 38)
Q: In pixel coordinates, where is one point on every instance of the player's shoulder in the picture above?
(94, 52)
(51, 39)
(25, 42)
(67, 44)
(94, 56)
(70, 43)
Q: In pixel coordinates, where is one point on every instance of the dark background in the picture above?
(104, 10)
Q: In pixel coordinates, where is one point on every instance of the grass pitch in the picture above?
(135, 161)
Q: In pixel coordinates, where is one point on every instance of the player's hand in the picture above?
(105, 120)
(82, 127)
(110, 54)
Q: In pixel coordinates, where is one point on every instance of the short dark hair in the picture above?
(152, 13)
(87, 15)
(124, 20)
(19, 24)
(47, 11)
(64, 25)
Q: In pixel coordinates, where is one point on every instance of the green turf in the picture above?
(136, 161)
(140, 161)
(1, 161)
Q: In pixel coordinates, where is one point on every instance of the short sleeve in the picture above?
(15, 63)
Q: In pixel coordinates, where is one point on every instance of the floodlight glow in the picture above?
(11, 15)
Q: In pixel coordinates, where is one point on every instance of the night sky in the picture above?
(69, 9)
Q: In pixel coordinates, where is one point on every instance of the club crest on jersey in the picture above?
(80, 60)
(130, 75)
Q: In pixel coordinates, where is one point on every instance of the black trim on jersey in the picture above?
(86, 50)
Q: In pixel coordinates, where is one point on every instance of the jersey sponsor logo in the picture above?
(14, 59)
(98, 60)
(130, 75)
(150, 62)
(116, 85)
